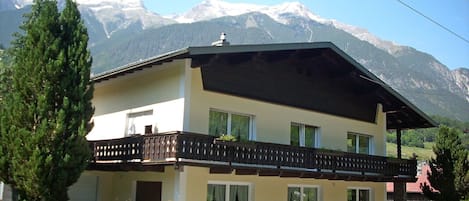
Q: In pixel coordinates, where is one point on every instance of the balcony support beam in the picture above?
(400, 193)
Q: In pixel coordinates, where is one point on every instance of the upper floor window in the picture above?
(358, 143)
(237, 125)
(358, 194)
(304, 135)
(303, 193)
(140, 122)
(227, 192)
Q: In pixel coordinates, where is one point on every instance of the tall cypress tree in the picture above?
(46, 115)
(450, 169)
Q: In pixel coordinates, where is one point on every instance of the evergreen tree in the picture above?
(46, 114)
(450, 169)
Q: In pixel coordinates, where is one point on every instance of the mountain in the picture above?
(137, 33)
(14, 4)
(103, 18)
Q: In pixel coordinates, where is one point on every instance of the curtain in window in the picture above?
(310, 132)
(310, 194)
(352, 143)
(363, 195)
(295, 135)
(218, 122)
(364, 144)
(351, 195)
(294, 194)
(216, 192)
(240, 127)
(239, 193)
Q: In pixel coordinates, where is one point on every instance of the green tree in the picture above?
(46, 113)
(450, 169)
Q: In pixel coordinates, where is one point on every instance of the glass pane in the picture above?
(218, 122)
(364, 144)
(351, 195)
(352, 143)
(310, 136)
(310, 194)
(364, 195)
(294, 194)
(216, 192)
(239, 193)
(295, 135)
(240, 127)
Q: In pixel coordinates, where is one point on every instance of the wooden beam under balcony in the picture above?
(153, 152)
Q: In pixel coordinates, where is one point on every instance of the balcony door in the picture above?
(148, 191)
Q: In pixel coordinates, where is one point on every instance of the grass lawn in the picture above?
(422, 153)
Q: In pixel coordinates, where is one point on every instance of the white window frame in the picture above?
(357, 138)
(2, 186)
(251, 135)
(369, 189)
(317, 133)
(229, 183)
(131, 115)
(302, 186)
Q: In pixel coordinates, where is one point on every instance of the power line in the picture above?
(435, 22)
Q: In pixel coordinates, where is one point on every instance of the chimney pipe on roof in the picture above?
(222, 41)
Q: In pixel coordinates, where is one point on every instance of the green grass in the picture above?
(422, 153)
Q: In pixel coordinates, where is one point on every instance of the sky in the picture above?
(387, 19)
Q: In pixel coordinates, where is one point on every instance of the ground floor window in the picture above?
(303, 193)
(227, 192)
(358, 194)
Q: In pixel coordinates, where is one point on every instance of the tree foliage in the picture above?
(45, 114)
(417, 137)
(449, 174)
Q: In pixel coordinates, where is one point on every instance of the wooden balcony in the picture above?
(153, 152)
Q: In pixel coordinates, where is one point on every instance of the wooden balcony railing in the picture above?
(181, 146)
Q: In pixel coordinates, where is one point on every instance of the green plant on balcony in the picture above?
(226, 138)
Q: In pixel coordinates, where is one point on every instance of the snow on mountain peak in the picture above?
(119, 3)
(210, 9)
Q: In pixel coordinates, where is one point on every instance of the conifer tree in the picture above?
(46, 114)
(449, 174)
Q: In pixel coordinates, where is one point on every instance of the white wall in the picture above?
(157, 89)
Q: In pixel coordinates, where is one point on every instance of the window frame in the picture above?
(142, 113)
(2, 186)
(251, 130)
(227, 188)
(302, 134)
(357, 138)
(302, 186)
(369, 189)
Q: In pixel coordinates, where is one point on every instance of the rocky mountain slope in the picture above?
(137, 33)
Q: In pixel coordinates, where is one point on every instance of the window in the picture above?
(358, 143)
(227, 192)
(304, 135)
(357, 194)
(303, 193)
(237, 125)
(140, 122)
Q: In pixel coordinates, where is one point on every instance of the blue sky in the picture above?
(387, 19)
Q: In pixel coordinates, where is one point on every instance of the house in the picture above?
(308, 120)
(414, 192)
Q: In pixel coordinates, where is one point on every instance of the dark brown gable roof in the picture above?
(315, 76)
